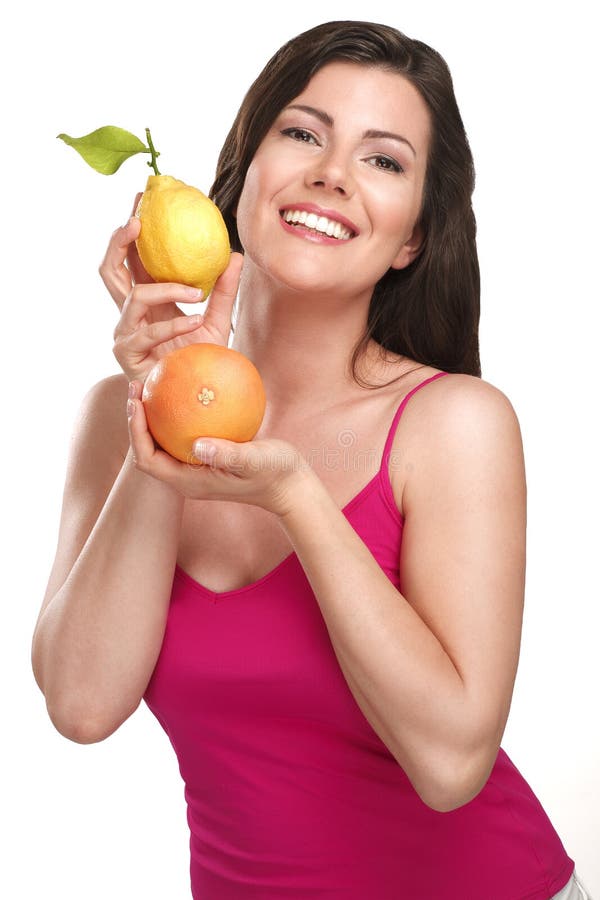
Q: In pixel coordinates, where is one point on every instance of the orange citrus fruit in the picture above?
(202, 390)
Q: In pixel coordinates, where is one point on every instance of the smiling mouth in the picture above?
(320, 224)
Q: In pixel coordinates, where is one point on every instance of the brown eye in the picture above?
(386, 163)
(299, 134)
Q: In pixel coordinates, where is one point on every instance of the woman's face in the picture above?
(333, 194)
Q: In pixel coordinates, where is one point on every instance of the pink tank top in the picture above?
(290, 792)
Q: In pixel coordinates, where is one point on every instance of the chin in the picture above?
(307, 283)
(306, 276)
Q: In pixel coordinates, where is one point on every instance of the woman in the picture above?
(325, 620)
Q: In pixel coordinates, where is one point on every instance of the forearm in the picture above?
(98, 640)
(402, 678)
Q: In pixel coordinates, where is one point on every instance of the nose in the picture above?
(331, 171)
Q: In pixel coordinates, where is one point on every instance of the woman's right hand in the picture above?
(151, 325)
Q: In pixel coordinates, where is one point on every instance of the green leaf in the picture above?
(107, 148)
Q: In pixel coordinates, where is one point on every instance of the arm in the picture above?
(102, 620)
(104, 613)
(433, 667)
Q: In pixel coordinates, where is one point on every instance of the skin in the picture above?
(433, 667)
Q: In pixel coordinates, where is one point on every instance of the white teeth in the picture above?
(318, 223)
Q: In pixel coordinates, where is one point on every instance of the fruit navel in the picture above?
(205, 396)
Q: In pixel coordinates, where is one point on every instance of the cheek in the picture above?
(246, 203)
(396, 216)
(254, 203)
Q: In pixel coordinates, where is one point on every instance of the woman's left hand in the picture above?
(263, 473)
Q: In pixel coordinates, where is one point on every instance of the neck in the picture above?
(301, 343)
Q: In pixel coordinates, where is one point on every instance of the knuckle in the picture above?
(125, 306)
(105, 274)
(138, 297)
(119, 352)
(234, 460)
(142, 465)
(153, 331)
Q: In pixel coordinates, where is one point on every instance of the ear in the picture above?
(410, 249)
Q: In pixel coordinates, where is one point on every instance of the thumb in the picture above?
(136, 203)
(221, 454)
(222, 296)
(134, 263)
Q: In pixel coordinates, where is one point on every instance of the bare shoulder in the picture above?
(456, 421)
(106, 403)
(100, 437)
(457, 394)
(106, 400)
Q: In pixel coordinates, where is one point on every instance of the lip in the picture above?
(323, 211)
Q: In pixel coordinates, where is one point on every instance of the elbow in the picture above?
(450, 796)
(458, 785)
(78, 729)
(73, 716)
(81, 726)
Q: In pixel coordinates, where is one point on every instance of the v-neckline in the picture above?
(379, 475)
(221, 595)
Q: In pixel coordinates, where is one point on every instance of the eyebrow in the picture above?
(371, 133)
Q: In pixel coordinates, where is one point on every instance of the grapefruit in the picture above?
(202, 390)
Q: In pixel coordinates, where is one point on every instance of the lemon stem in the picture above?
(152, 162)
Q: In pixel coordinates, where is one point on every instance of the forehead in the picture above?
(368, 97)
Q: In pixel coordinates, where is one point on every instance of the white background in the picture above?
(108, 820)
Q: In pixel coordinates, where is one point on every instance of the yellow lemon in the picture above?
(183, 237)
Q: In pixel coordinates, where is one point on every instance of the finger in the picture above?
(136, 203)
(147, 456)
(140, 438)
(143, 297)
(229, 456)
(132, 260)
(112, 269)
(134, 348)
(134, 265)
(220, 306)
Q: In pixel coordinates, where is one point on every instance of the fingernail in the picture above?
(130, 408)
(194, 292)
(131, 389)
(203, 450)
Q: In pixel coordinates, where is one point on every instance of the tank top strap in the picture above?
(390, 438)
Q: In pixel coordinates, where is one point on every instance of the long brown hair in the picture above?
(428, 311)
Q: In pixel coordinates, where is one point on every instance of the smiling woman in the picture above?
(325, 145)
(325, 620)
(436, 322)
